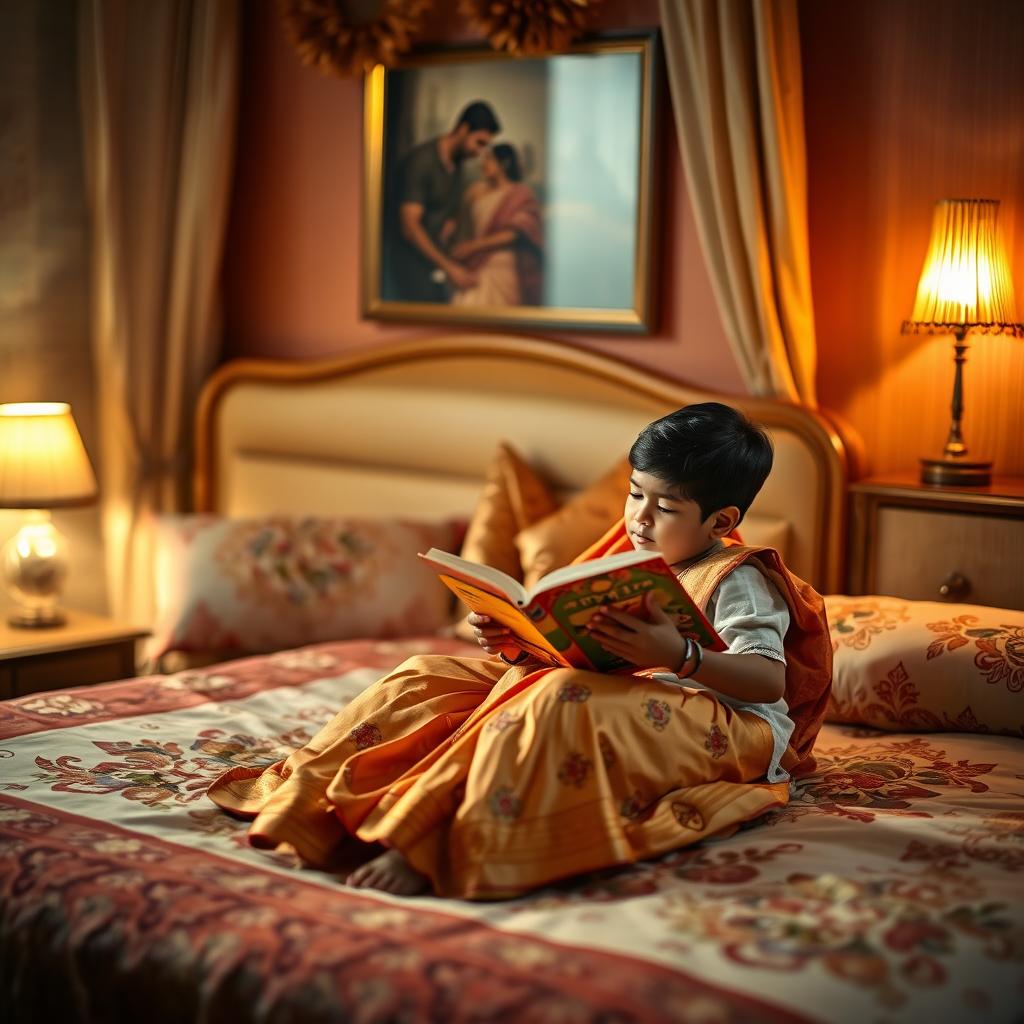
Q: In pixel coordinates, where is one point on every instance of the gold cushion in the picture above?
(514, 496)
(558, 538)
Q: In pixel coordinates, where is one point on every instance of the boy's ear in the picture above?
(725, 520)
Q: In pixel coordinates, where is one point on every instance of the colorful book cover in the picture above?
(550, 620)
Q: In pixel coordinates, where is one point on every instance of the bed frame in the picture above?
(409, 429)
(123, 893)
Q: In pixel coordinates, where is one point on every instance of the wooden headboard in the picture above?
(408, 430)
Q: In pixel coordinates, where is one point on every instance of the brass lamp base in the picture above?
(956, 473)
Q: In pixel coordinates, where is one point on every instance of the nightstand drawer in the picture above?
(72, 668)
(917, 550)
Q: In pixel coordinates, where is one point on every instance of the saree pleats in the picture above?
(403, 716)
(492, 782)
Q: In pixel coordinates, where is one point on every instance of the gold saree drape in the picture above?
(492, 781)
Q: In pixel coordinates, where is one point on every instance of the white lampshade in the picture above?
(43, 463)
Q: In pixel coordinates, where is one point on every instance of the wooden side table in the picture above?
(86, 649)
(925, 543)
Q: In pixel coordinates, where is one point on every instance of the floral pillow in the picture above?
(926, 666)
(254, 585)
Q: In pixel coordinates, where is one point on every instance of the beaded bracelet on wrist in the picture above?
(687, 654)
(699, 651)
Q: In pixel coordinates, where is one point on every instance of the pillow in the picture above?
(558, 538)
(252, 585)
(926, 666)
(513, 497)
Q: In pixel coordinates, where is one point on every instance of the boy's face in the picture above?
(659, 519)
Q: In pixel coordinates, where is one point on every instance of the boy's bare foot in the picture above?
(390, 872)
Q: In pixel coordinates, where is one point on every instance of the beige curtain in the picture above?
(159, 87)
(734, 73)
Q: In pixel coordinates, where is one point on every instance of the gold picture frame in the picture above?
(545, 222)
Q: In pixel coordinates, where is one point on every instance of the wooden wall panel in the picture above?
(908, 102)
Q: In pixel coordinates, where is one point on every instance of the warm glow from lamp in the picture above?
(965, 288)
(43, 465)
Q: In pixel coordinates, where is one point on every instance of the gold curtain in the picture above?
(159, 83)
(734, 74)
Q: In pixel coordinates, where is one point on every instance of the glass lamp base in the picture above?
(36, 618)
(956, 473)
(35, 565)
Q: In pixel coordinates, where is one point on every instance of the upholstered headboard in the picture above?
(409, 430)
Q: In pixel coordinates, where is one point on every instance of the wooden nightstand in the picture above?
(86, 649)
(926, 543)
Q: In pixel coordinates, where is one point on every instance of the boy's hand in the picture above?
(493, 637)
(653, 644)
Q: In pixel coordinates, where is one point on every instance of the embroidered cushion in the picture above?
(254, 585)
(926, 666)
(558, 538)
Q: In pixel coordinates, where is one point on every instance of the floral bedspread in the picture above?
(890, 889)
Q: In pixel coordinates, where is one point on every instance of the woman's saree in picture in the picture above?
(510, 275)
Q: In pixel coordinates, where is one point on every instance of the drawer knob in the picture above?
(954, 587)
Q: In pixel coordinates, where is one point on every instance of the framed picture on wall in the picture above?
(513, 191)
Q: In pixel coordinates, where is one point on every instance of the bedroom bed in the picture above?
(889, 888)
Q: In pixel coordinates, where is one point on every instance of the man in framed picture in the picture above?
(425, 207)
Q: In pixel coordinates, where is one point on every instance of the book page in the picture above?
(474, 573)
(484, 603)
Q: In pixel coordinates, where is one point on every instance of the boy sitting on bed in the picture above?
(484, 778)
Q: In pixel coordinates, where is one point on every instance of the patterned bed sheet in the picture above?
(890, 889)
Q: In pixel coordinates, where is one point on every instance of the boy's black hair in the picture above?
(709, 452)
(480, 117)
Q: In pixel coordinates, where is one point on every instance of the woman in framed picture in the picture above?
(505, 249)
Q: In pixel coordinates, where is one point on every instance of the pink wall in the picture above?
(293, 254)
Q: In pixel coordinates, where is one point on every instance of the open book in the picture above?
(549, 620)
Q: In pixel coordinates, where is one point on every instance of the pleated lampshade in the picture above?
(965, 283)
(965, 288)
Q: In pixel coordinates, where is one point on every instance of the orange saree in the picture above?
(493, 780)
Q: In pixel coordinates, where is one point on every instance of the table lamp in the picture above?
(965, 288)
(43, 465)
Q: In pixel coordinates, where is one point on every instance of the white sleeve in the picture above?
(750, 614)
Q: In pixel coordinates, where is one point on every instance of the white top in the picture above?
(752, 617)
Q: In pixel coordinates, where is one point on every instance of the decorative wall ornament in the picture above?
(331, 37)
(524, 27)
